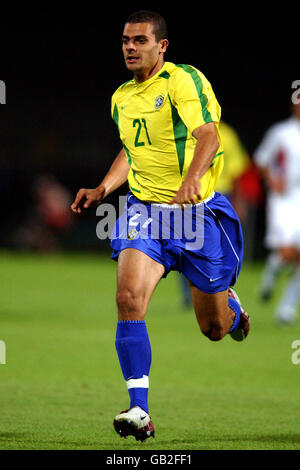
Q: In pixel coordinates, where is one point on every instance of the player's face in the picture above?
(140, 48)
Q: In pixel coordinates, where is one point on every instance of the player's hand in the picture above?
(86, 198)
(188, 193)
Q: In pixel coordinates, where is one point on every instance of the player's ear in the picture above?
(163, 45)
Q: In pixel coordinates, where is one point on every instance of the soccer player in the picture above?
(278, 157)
(172, 156)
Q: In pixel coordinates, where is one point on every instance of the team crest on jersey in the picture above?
(132, 234)
(159, 101)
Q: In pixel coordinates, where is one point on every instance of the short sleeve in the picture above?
(194, 98)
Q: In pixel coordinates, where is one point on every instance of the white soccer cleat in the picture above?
(134, 422)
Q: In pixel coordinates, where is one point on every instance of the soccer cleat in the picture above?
(243, 329)
(134, 422)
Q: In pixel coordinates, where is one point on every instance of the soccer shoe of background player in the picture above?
(243, 329)
(134, 422)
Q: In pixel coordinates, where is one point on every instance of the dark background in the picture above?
(62, 66)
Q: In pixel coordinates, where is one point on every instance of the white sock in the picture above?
(273, 265)
(287, 308)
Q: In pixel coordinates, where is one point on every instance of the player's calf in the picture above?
(221, 313)
(213, 314)
(214, 331)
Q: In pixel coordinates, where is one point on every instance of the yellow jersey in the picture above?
(156, 119)
(236, 159)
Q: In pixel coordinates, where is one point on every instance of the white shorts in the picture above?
(283, 222)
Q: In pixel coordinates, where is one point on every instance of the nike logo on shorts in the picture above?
(215, 279)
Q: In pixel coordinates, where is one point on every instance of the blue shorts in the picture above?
(212, 267)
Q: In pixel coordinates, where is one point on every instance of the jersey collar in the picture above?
(146, 82)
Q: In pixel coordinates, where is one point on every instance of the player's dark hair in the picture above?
(145, 16)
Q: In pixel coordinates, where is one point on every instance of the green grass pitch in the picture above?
(61, 385)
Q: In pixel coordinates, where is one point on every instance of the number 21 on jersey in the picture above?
(140, 124)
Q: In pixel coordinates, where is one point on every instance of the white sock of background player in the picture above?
(272, 268)
(287, 308)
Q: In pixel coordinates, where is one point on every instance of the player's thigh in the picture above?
(283, 227)
(137, 277)
(212, 311)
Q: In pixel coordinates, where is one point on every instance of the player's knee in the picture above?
(214, 331)
(129, 303)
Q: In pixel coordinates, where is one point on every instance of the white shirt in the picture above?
(279, 151)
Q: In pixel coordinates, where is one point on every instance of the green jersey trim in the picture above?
(217, 155)
(129, 159)
(115, 116)
(199, 87)
(116, 121)
(124, 84)
(133, 189)
(165, 75)
(180, 135)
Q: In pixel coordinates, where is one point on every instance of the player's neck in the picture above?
(143, 75)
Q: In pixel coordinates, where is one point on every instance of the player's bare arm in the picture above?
(116, 176)
(205, 150)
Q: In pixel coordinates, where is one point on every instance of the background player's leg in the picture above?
(287, 308)
(185, 291)
(273, 266)
(137, 277)
(213, 313)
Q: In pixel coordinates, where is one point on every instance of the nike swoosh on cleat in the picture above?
(143, 418)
